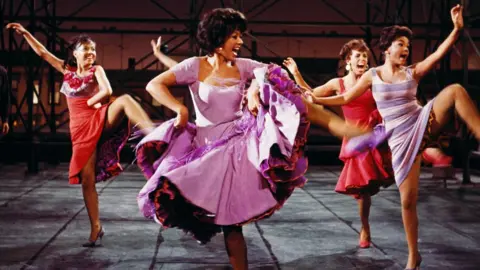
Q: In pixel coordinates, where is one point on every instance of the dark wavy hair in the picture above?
(390, 33)
(354, 44)
(73, 43)
(216, 26)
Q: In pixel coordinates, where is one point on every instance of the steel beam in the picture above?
(185, 21)
(259, 34)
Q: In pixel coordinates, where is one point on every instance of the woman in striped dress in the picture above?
(411, 126)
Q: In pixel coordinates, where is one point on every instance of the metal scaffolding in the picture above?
(41, 18)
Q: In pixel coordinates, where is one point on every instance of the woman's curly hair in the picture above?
(217, 25)
(390, 33)
(73, 44)
(354, 44)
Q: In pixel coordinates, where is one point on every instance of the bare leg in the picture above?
(318, 115)
(436, 157)
(90, 196)
(364, 204)
(123, 106)
(455, 97)
(409, 195)
(236, 247)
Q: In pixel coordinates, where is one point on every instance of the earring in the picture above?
(367, 67)
(348, 67)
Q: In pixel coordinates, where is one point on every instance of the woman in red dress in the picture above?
(98, 132)
(363, 173)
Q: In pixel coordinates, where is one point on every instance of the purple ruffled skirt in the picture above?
(245, 175)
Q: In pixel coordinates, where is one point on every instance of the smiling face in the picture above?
(358, 61)
(398, 51)
(85, 53)
(231, 46)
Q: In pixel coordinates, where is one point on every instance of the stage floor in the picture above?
(43, 223)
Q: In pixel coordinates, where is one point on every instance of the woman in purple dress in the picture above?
(232, 167)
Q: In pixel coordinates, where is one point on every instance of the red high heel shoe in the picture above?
(364, 244)
(438, 160)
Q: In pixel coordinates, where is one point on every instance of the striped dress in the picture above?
(403, 115)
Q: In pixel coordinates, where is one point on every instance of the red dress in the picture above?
(86, 128)
(364, 173)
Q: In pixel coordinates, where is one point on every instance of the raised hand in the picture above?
(17, 27)
(290, 64)
(457, 16)
(156, 46)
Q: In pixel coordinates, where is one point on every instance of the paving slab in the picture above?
(43, 223)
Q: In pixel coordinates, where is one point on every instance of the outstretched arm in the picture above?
(104, 86)
(39, 49)
(363, 84)
(167, 61)
(326, 90)
(422, 68)
(290, 64)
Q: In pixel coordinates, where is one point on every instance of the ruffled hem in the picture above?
(282, 166)
(371, 189)
(108, 155)
(366, 173)
(174, 210)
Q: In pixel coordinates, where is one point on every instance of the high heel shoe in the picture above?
(364, 244)
(417, 265)
(94, 242)
(436, 159)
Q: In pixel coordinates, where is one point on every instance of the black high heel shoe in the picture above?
(94, 242)
(417, 265)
